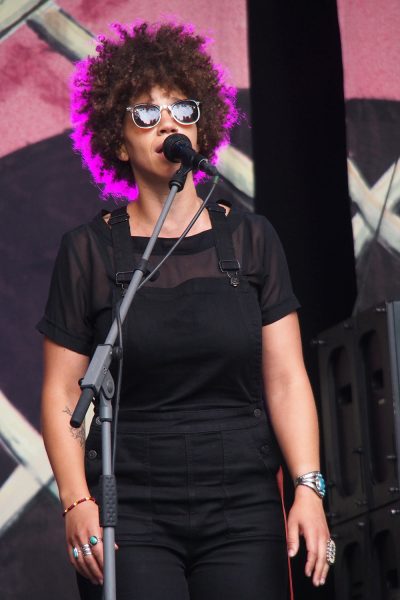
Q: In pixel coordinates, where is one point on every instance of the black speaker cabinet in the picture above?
(378, 355)
(353, 560)
(359, 364)
(342, 423)
(385, 552)
(368, 556)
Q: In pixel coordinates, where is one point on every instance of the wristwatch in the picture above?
(313, 480)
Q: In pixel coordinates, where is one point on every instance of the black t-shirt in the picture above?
(191, 339)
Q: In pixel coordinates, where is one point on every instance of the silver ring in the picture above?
(330, 552)
(86, 550)
(75, 552)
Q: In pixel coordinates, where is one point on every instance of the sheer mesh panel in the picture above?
(83, 277)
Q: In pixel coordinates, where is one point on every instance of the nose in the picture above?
(167, 123)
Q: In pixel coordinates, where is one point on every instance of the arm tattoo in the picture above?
(77, 434)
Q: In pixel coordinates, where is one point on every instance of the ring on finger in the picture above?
(330, 552)
(86, 550)
(94, 540)
(75, 552)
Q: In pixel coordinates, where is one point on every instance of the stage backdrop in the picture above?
(44, 192)
(371, 60)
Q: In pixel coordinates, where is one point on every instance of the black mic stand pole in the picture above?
(98, 382)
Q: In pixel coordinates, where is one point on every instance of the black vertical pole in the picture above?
(299, 147)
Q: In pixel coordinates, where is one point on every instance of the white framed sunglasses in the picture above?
(146, 115)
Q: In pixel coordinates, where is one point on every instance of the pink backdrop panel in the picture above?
(370, 32)
(34, 100)
(225, 21)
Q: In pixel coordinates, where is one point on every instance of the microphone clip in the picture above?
(179, 178)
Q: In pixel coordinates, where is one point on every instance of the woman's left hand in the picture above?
(307, 518)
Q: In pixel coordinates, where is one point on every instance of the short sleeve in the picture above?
(277, 298)
(66, 319)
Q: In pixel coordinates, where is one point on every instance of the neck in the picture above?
(146, 209)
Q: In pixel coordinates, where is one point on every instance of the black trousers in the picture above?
(200, 514)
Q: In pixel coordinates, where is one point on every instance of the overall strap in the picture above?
(227, 260)
(122, 244)
(123, 251)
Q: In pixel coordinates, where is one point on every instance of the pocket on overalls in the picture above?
(135, 522)
(252, 502)
(266, 446)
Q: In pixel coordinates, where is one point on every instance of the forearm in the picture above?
(294, 418)
(65, 447)
(289, 396)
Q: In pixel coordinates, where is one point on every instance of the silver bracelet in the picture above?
(313, 480)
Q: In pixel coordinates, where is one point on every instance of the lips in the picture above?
(159, 148)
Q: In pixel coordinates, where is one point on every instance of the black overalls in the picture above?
(199, 512)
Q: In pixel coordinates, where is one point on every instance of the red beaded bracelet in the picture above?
(85, 499)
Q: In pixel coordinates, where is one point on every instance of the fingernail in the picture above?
(322, 581)
(291, 552)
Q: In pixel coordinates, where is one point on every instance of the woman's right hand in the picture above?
(81, 523)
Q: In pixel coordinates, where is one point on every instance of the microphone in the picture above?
(178, 148)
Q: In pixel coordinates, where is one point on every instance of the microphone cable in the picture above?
(120, 357)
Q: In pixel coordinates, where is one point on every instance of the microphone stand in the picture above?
(98, 382)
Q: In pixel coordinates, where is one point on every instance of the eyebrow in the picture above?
(152, 101)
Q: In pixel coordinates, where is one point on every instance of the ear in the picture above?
(122, 153)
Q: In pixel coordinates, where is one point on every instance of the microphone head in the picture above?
(174, 141)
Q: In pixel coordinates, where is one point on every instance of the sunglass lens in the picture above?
(146, 115)
(185, 112)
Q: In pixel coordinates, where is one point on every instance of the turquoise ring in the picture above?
(94, 540)
(75, 552)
